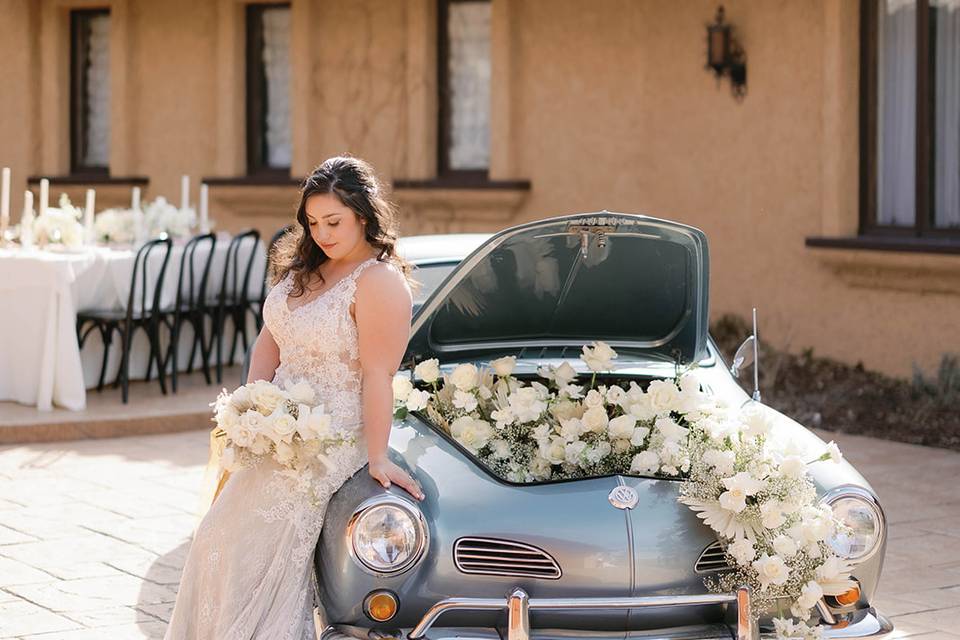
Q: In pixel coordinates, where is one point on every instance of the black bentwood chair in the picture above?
(235, 301)
(192, 306)
(144, 316)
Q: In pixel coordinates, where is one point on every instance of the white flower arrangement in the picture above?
(115, 226)
(161, 217)
(757, 497)
(263, 421)
(59, 225)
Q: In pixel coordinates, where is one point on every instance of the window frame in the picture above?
(445, 173)
(79, 44)
(256, 94)
(923, 226)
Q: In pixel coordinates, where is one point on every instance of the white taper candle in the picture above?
(184, 192)
(204, 210)
(135, 199)
(26, 220)
(44, 196)
(88, 217)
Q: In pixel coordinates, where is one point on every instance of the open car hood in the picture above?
(638, 283)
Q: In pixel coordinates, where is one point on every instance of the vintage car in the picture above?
(597, 557)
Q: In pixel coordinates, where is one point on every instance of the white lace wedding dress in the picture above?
(248, 572)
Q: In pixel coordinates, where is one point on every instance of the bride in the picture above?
(338, 317)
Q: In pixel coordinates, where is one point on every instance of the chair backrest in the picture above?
(236, 280)
(141, 276)
(192, 287)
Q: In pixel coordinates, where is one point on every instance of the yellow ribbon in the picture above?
(214, 476)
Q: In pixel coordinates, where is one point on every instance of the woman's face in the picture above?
(334, 226)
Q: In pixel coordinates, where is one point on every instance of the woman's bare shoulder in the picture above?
(383, 279)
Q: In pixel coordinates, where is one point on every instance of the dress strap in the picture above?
(363, 265)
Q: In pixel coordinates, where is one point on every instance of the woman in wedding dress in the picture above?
(338, 317)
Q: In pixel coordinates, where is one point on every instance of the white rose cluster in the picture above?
(59, 225)
(752, 490)
(261, 420)
(161, 217)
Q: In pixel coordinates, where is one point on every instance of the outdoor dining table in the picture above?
(42, 291)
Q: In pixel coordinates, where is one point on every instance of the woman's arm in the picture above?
(265, 358)
(383, 312)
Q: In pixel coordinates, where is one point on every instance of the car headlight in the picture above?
(859, 511)
(387, 535)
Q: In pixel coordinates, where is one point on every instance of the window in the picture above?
(89, 91)
(268, 89)
(464, 85)
(910, 119)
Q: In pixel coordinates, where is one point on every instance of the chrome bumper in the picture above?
(866, 623)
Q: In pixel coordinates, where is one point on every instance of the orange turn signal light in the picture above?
(850, 596)
(380, 605)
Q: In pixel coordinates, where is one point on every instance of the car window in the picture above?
(430, 276)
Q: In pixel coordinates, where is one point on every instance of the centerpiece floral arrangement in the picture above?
(755, 493)
(118, 225)
(59, 225)
(262, 421)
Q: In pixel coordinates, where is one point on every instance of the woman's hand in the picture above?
(384, 471)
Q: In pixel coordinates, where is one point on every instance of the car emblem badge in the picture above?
(623, 497)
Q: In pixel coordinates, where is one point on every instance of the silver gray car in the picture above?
(481, 557)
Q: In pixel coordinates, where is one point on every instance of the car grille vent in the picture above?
(712, 559)
(504, 558)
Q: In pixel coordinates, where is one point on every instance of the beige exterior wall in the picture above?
(600, 105)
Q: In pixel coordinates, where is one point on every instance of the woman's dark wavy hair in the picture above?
(355, 184)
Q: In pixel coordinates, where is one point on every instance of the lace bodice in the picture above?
(318, 344)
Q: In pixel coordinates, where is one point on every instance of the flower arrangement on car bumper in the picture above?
(756, 495)
(261, 421)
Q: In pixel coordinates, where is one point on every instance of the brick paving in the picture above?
(93, 534)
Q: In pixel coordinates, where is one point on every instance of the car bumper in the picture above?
(865, 623)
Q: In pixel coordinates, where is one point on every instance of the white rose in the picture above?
(598, 357)
(772, 570)
(504, 366)
(554, 450)
(792, 466)
(564, 374)
(598, 452)
(571, 429)
(465, 377)
(834, 451)
(663, 396)
(742, 551)
(810, 595)
(622, 427)
(261, 445)
(572, 391)
(241, 399)
(428, 370)
(621, 446)
(501, 449)
(526, 404)
(564, 410)
(284, 453)
(265, 397)
(540, 468)
(417, 400)
(573, 451)
(756, 422)
(595, 419)
(472, 433)
(645, 462)
(279, 426)
(616, 395)
(784, 546)
(670, 430)
(639, 436)
(722, 461)
(302, 392)
(593, 399)
(640, 406)
(401, 388)
(464, 400)
(771, 515)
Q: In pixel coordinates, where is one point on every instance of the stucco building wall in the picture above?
(599, 105)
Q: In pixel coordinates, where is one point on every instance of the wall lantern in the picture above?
(725, 56)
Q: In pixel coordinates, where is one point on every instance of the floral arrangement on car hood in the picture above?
(261, 421)
(756, 495)
(59, 225)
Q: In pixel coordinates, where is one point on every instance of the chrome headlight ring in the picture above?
(396, 507)
(862, 498)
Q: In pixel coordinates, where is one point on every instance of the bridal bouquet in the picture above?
(263, 421)
(754, 492)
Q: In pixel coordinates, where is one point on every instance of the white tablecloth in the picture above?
(42, 291)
